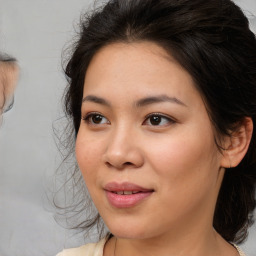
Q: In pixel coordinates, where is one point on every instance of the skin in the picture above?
(8, 80)
(177, 158)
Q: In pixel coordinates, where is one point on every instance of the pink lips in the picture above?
(126, 194)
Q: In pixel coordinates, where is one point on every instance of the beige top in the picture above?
(96, 249)
(93, 249)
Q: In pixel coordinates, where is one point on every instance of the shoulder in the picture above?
(92, 249)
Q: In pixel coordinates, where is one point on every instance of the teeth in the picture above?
(126, 192)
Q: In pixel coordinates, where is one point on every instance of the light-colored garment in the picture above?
(93, 249)
(96, 249)
(241, 253)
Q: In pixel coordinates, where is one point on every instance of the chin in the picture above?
(129, 230)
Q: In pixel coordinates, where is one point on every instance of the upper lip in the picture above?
(125, 186)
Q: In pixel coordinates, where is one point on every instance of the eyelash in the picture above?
(89, 116)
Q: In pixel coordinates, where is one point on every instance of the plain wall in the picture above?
(35, 32)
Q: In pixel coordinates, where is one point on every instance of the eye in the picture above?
(158, 120)
(95, 119)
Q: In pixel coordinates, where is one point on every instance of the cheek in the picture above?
(177, 154)
(184, 161)
(88, 153)
(187, 175)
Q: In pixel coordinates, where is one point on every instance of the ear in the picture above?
(236, 145)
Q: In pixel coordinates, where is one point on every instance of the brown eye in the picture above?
(96, 119)
(158, 120)
(155, 120)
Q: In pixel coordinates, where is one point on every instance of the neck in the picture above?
(210, 244)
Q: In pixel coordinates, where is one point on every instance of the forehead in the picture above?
(137, 69)
(121, 55)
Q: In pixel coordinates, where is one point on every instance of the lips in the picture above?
(125, 195)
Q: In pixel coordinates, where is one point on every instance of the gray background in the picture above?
(35, 32)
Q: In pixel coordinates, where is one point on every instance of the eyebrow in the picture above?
(96, 99)
(140, 103)
(158, 99)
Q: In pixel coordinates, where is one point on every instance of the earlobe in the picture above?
(237, 144)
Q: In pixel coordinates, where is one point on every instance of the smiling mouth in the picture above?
(126, 195)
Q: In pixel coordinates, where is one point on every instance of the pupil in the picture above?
(155, 120)
(97, 119)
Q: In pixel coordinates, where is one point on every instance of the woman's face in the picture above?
(146, 146)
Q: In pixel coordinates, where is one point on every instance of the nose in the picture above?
(123, 150)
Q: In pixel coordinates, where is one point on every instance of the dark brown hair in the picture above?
(212, 41)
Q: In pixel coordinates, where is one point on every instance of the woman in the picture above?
(162, 100)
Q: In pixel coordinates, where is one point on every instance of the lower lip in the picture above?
(126, 201)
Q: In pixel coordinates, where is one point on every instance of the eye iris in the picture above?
(155, 120)
(97, 119)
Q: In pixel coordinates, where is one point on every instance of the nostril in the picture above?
(128, 163)
(108, 164)
(119, 166)
(121, 160)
